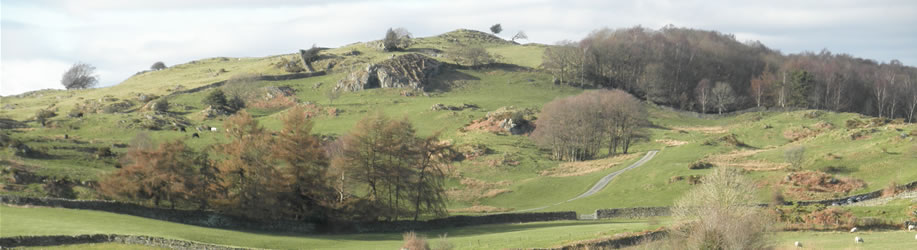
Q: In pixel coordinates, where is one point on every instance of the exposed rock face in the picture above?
(411, 71)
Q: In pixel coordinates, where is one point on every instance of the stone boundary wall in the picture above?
(459, 221)
(632, 212)
(190, 217)
(854, 198)
(614, 242)
(258, 78)
(216, 220)
(56, 240)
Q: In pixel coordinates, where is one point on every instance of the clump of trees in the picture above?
(578, 127)
(721, 213)
(79, 76)
(380, 170)
(309, 56)
(403, 175)
(666, 66)
(396, 39)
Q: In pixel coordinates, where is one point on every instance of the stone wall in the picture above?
(459, 221)
(56, 240)
(632, 212)
(615, 242)
(852, 198)
(190, 217)
(257, 78)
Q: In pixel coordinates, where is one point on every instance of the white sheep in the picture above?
(911, 227)
(915, 237)
(797, 244)
(853, 230)
(858, 239)
(212, 129)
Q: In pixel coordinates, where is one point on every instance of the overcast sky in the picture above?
(42, 38)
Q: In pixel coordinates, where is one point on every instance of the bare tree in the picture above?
(795, 156)
(760, 86)
(723, 96)
(79, 76)
(703, 94)
(520, 36)
(496, 28)
(721, 213)
(564, 61)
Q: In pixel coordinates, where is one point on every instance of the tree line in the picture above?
(381, 170)
(707, 70)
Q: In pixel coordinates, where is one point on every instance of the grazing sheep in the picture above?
(797, 244)
(212, 129)
(915, 237)
(195, 135)
(858, 239)
(910, 227)
(853, 230)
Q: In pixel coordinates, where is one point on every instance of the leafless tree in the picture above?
(722, 213)
(723, 96)
(703, 94)
(520, 36)
(80, 76)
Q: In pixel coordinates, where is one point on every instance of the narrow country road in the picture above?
(603, 182)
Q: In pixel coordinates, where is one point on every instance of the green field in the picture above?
(57, 221)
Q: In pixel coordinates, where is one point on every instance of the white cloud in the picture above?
(26, 75)
(123, 37)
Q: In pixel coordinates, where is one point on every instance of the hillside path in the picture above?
(602, 182)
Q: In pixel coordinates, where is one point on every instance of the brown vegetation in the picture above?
(580, 168)
(721, 213)
(808, 185)
(576, 128)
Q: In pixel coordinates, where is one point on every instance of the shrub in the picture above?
(795, 157)
(412, 241)
(103, 152)
(443, 243)
(216, 99)
(235, 104)
(854, 123)
(700, 165)
(158, 66)
(161, 105)
(43, 115)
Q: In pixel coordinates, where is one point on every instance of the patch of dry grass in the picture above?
(586, 167)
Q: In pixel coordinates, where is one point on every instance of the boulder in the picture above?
(411, 71)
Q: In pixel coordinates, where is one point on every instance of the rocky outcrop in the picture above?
(411, 71)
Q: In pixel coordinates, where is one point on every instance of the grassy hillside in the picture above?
(514, 174)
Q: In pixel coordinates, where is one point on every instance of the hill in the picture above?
(844, 153)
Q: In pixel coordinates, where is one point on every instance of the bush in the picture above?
(43, 115)
(161, 105)
(235, 104)
(412, 241)
(103, 152)
(700, 165)
(854, 123)
(795, 157)
(158, 66)
(216, 99)
(496, 28)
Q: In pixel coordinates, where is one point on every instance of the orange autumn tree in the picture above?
(171, 172)
(304, 166)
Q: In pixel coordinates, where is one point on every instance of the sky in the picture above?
(41, 39)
